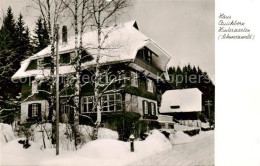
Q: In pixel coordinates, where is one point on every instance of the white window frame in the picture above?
(35, 109)
(115, 101)
(146, 109)
(40, 64)
(149, 85)
(85, 100)
(34, 87)
(153, 108)
(134, 79)
(66, 109)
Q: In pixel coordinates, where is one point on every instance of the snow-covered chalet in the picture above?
(143, 60)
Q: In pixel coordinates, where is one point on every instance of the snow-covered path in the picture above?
(200, 152)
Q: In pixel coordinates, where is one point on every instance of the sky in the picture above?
(183, 28)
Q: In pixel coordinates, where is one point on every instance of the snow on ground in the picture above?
(66, 139)
(107, 150)
(13, 153)
(199, 152)
(113, 152)
(179, 137)
(6, 133)
(205, 125)
(180, 127)
(104, 151)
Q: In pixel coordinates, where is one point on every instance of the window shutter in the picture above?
(39, 111)
(153, 109)
(144, 106)
(29, 110)
(149, 108)
(146, 82)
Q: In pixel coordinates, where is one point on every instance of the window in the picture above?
(40, 63)
(145, 107)
(65, 58)
(145, 54)
(153, 108)
(87, 103)
(47, 61)
(134, 79)
(104, 103)
(175, 106)
(65, 82)
(149, 108)
(34, 110)
(34, 87)
(140, 54)
(111, 102)
(149, 85)
(66, 109)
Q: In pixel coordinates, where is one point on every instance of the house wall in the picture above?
(141, 90)
(133, 95)
(24, 109)
(134, 103)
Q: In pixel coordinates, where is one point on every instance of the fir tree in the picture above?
(23, 46)
(41, 38)
(14, 47)
(7, 67)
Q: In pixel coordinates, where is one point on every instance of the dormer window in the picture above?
(65, 58)
(145, 54)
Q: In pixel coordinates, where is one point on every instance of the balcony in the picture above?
(146, 66)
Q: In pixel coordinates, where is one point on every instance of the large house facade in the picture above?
(140, 58)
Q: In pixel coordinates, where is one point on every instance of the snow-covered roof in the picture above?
(181, 100)
(122, 44)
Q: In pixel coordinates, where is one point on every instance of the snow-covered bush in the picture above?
(41, 131)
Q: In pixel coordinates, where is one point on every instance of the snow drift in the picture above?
(104, 151)
(113, 152)
(6, 133)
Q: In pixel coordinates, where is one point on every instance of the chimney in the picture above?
(64, 34)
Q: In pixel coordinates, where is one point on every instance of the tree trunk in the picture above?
(97, 81)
